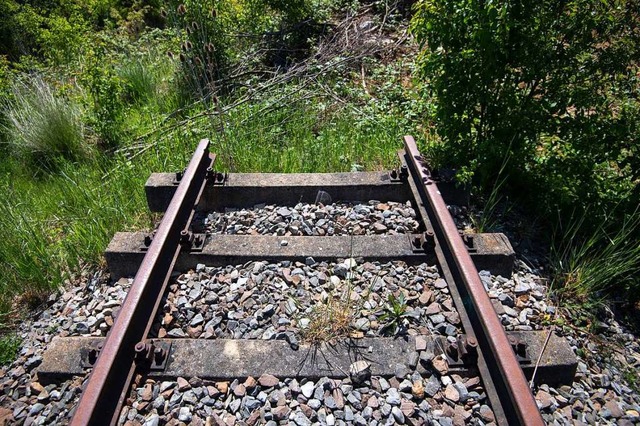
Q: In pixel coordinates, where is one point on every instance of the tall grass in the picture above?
(306, 133)
(590, 264)
(143, 78)
(52, 228)
(43, 128)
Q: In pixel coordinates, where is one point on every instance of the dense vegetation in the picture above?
(542, 97)
(539, 99)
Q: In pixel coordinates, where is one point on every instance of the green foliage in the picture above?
(293, 131)
(43, 127)
(106, 88)
(9, 346)
(395, 312)
(19, 26)
(591, 263)
(140, 82)
(63, 37)
(220, 37)
(55, 31)
(487, 220)
(552, 84)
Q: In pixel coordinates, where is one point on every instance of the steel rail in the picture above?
(480, 363)
(108, 384)
(516, 399)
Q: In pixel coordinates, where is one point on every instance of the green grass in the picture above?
(43, 128)
(9, 346)
(139, 79)
(602, 264)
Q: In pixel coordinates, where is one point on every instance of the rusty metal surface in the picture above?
(114, 368)
(226, 359)
(481, 363)
(516, 399)
(123, 255)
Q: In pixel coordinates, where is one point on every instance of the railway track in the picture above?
(179, 328)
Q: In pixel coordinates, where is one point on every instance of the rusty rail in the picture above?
(112, 373)
(516, 402)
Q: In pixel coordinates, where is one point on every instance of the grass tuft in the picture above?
(599, 265)
(43, 128)
(330, 320)
(140, 80)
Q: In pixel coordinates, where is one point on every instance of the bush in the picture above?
(222, 39)
(105, 86)
(42, 127)
(550, 85)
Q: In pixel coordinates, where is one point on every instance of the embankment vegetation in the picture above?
(95, 95)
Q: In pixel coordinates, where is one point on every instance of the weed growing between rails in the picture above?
(333, 317)
(394, 314)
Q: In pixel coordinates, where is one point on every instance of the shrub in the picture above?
(105, 87)
(551, 85)
(42, 127)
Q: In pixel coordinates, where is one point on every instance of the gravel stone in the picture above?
(393, 397)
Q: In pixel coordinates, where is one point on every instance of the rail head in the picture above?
(516, 398)
(108, 383)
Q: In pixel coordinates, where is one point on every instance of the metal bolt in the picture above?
(404, 171)
(143, 352)
(140, 347)
(185, 236)
(159, 355)
(93, 356)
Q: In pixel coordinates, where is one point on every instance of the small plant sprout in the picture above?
(394, 314)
